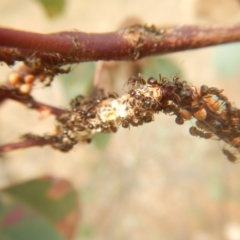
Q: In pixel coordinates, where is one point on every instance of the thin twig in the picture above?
(28, 100)
(24, 143)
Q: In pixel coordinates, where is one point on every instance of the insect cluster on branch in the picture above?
(214, 114)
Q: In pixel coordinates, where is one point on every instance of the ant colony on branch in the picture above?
(214, 114)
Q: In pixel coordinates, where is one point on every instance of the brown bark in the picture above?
(130, 43)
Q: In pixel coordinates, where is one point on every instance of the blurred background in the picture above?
(150, 182)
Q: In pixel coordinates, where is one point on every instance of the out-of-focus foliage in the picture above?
(167, 67)
(227, 60)
(45, 208)
(101, 140)
(79, 80)
(53, 8)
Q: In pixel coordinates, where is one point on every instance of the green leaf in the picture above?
(162, 65)
(217, 189)
(86, 231)
(40, 209)
(221, 56)
(53, 8)
(79, 80)
(101, 140)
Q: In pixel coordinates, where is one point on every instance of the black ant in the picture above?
(132, 103)
(197, 133)
(234, 112)
(174, 110)
(90, 115)
(135, 82)
(64, 118)
(215, 124)
(152, 81)
(132, 93)
(107, 127)
(223, 98)
(137, 112)
(113, 95)
(230, 156)
(177, 91)
(147, 118)
(177, 83)
(104, 127)
(179, 120)
(215, 127)
(234, 123)
(163, 81)
(198, 106)
(205, 90)
(126, 122)
(184, 96)
(77, 101)
(90, 126)
(156, 106)
(139, 97)
(147, 101)
(214, 91)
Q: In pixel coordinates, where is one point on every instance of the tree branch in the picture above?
(130, 43)
(216, 117)
(26, 142)
(28, 100)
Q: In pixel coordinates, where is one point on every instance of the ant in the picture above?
(64, 118)
(126, 122)
(147, 118)
(184, 97)
(199, 106)
(224, 99)
(197, 133)
(178, 91)
(234, 112)
(172, 108)
(205, 90)
(77, 101)
(108, 127)
(177, 83)
(230, 156)
(147, 102)
(113, 95)
(135, 82)
(214, 127)
(132, 103)
(216, 124)
(137, 112)
(90, 114)
(132, 93)
(139, 97)
(152, 81)
(175, 110)
(179, 120)
(163, 80)
(234, 123)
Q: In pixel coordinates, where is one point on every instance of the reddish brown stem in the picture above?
(28, 100)
(61, 43)
(25, 143)
(130, 43)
